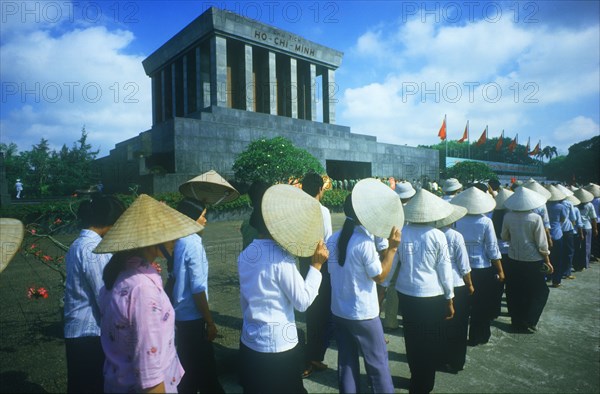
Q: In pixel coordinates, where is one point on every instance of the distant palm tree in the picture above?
(548, 152)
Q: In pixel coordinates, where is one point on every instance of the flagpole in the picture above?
(468, 141)
(446, 123)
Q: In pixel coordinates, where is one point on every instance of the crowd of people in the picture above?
(441, 263)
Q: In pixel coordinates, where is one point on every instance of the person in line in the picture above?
(568, 226)
(271, 287)
(355, 269)
(455, 355)
(195, 326)
(85, 358)
(451, 187)
(529, 255)
(532, 184)
(589, 222)
(137, 318)
(558, 213)
(318, 315)
(497, 218)
(595, 190)
(484, 256)
(405, 192)
(425, 288)
(578, 238)
(255, 192)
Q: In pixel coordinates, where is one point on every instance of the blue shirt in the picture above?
(543, 212)
(480, 239)
(587, 214)
(458, 255)
(558, 213)
(190, 268)
(353, 290)
(567, 225)
(82, 289)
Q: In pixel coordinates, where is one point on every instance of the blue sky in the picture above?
(525, 67)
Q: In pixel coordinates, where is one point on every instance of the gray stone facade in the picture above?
(224, 81)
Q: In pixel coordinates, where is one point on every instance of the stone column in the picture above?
(155, 99)
(249, 82)
(328, 98)
(185, 85)
(218, 71)
(198, 87)
(272, 84)
(162, 98)
(293, 88)
(313, 93)
(174, 89)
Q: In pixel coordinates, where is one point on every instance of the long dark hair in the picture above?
(100, 211)
(115, 266)
(347, 230)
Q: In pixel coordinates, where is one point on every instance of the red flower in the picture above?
(47, 258)
(156, 266)
(33, 246)
(58, 221)
(41, 292)
(33, 231)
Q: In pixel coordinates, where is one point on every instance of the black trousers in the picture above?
(271, 372)
(319, 322)
(85, 365)
(424, 337)
(529, 292)
(455, 352)
(482, 303)
(197, 356)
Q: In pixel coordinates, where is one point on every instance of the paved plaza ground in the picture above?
(563, 356)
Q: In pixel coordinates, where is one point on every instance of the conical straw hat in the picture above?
(555, 193)
(574, 200)
(11, 236)
(502, 195)
(450, 185)
(457, 213)
(476, 201)
(536, 187)
(524, 199)
(563, 189)
(209, 188)
(583, 195)
(146, 222)
(593, 188)
(404, 190)
(377, 207)
(426, 207)
(293, 218)
(572, 188)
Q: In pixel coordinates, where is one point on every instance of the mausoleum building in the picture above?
(225, 81)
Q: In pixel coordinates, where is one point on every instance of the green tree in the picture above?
(274, 160)
(579, 166)
(470, 171)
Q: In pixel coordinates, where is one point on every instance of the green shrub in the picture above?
(334, 199)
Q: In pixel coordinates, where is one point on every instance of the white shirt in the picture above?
(270, 288)
(480, 238)
(425, 269)
(353, 290)
(326, 223)
(458, 255)
(587, 214)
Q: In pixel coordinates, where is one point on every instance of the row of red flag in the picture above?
(511, 147)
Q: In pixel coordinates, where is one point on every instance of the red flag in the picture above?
(513, 143)
(527, 147)
(483, 137)
(535, 150)
(442, 132)
(500, 141)
(465, 134)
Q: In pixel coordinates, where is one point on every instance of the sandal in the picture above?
(307, 372)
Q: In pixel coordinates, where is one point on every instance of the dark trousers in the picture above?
(271, 372)
(197, 356)
(319, 321)
(501, 289)
(556, 258)
(85, 365)
(424, 337)
(529, 291)
(579, 255)
(482, 304)
(568, 252)
(456, 329)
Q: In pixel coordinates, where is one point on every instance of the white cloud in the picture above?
(584, 128)
(54, 81)
(499, 74)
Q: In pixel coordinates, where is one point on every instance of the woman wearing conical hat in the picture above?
(595, 190)
(589, 222)
(137, 318)
(528, 253)
(289, 223)
(558, 213)
(372, 209)
(425, 287)
(485, 259)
